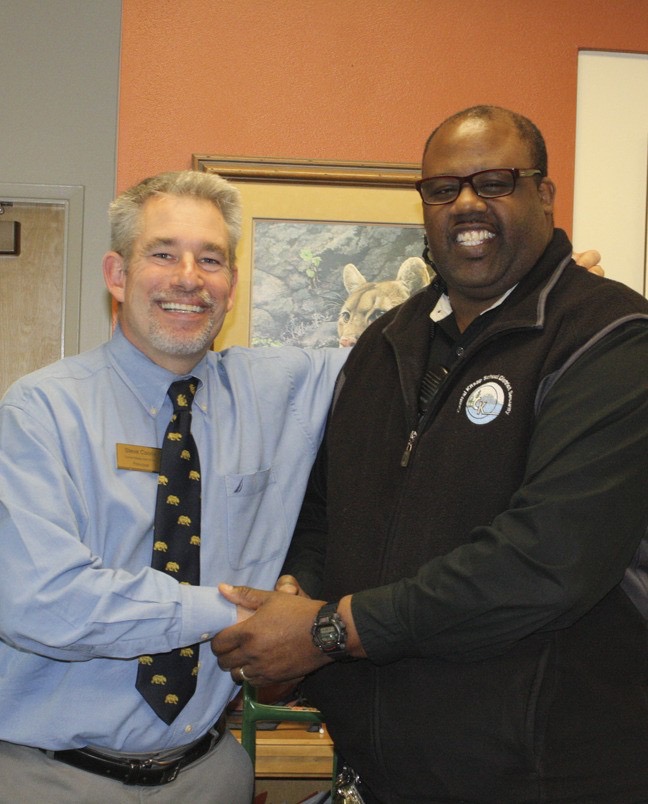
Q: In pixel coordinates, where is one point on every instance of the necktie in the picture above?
(168, 680)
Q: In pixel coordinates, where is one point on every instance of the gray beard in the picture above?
(175, 344)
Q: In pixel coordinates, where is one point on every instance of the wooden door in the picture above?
(32, 291)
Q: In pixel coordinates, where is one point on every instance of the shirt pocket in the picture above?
(256, 519)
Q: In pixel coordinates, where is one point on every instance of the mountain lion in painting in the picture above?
(367, 301)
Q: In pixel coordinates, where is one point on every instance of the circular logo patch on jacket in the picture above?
(486, 398)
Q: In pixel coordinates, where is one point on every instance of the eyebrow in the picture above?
(169, 242)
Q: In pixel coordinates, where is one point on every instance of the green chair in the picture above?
(253, 712)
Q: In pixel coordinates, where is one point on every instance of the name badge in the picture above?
(138, 459)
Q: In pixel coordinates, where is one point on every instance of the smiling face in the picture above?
(483, 246)
(178, 285)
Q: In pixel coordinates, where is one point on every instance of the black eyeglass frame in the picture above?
(515, 173)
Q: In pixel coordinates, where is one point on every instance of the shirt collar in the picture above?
(147, 380)
(443, 308)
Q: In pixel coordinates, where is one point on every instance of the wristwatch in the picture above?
(330, 634)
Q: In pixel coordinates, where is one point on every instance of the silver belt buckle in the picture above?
(346, 790)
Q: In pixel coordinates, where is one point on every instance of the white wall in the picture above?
(59, 82)
(612, 162)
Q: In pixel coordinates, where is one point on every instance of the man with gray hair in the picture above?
(98, 600)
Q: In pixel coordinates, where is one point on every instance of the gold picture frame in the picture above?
(276, 191)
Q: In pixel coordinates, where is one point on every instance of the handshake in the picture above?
(272, 639)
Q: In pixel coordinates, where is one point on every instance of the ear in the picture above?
(114, 272)
(233, 285)
(352, 278)
(547, 192)
(413, 273)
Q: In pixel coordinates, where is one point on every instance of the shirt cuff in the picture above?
(204, 613)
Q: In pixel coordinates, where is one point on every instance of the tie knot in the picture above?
(181, 393)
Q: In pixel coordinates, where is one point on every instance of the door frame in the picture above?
(71, 196)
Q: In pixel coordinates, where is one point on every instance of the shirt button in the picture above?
(204, 636)
(459, 351)
(189, 728)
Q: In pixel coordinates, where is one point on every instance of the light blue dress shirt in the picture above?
(78, 598)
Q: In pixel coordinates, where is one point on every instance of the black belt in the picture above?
(147, 772)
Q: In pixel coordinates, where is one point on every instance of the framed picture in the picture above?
(311, 231)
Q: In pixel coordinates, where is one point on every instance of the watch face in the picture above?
(328, 635)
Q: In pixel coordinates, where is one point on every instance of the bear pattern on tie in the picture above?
(168, 680)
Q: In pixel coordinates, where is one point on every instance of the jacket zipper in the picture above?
(432, 383)
(411, 440)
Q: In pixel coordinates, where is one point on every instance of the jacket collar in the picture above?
(524, 307)
(407, 328)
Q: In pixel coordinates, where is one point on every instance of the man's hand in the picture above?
(589, 259)
(290, 585)
(274, 644)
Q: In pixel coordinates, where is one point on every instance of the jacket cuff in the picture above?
(383, 636)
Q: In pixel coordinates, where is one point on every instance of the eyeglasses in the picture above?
(486, 183)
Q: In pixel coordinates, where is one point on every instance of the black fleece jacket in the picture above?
(506, 663)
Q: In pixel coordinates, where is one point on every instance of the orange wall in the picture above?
(345, 80)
